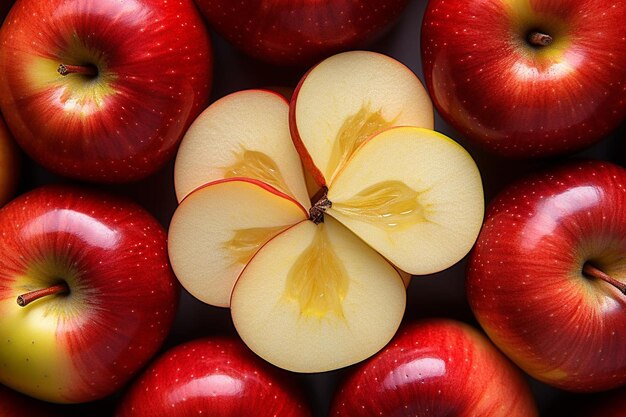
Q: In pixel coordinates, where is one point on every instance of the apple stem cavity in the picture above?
(592, 272)
(321, 203)
(539, 39)
(25, 299)
(89, 70)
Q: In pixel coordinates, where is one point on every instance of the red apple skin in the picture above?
(498, 90)
(123, 294)
(525, 282)
(154, 60)
(299, 32)
(14, 404)
(436, 368)
(10, 162)
(217, 377)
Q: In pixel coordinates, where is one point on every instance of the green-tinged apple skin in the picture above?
(299, 32)
(525, 279)
(14, 404)
(153, 60)
(10, 162)
(217, 377)
(122, 295)
(521, 100)
(436, 368)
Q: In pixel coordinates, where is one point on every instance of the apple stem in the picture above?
(539, 39)
(321, 204)
(65, 69)
(25, 299)
(593, 272)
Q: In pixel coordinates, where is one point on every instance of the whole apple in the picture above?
(527, 78)
(288, 32)
(103, 90)
(10, 161)
(86, 293)
(217, 377)
(436, 368)
(546, 277)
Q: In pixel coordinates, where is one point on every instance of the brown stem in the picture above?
(539, 39)
(25, 299)
(593, 272)
(65, 69)
(321, 203)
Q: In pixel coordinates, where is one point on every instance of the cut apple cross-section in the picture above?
(318, 285)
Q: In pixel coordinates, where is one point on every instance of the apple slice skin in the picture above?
(517, 100)
(126, 122)
(318, 114)
(315, 319)
(435, 368)
(122, 293)
(205, 254)
(525, 282)
(217, 377)
(287, 32)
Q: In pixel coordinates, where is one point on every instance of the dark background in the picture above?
(438, 295)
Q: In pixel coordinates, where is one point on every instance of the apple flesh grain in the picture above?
(527, 78)
(214, 377)
(299, 32)
(546, 277)
(103, 90)
(313, 285)
(436, 368)
(9, 164)
(95, 291)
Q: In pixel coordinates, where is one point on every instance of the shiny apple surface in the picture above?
(84, 343)
(436, 368)
(148, 66)
(217, 377)
(526, 283)
(523, 99)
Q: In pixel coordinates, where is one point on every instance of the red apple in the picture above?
(14, 404)
(94, 289)
(527, 78)
(546, 277)
(215, 377)
(137, 74)
(436, 368)
(299, 32)
(9, 164)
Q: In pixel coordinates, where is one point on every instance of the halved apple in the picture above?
(244, 134)
(347, 98)
(317, 283)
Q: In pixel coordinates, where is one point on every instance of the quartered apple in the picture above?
(316, 284)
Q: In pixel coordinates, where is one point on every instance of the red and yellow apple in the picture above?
(87, 294)
(547, 276)
(103, 90)
(314, 284)
(527, 78)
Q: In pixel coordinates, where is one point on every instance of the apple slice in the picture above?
(413, 195)
(244, 134)
(316, 298)
(218, 228)
(347, 98)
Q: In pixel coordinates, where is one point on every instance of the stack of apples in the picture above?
(307, 217)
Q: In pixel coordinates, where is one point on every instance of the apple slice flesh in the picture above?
(347, 98)
(217, 229)
(413, 195)
(316, 298)
(244, 134)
